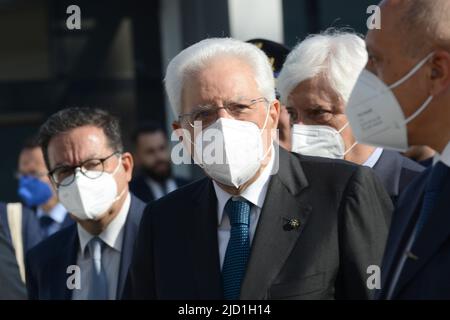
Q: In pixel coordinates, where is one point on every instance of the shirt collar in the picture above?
(444, 157)
(254, 193)
(57, 213)
(113, 234)
(373, 158)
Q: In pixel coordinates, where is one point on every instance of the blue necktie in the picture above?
(238, 249)
(433, 187)
(98, 289)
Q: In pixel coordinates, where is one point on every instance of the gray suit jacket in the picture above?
(11, 286)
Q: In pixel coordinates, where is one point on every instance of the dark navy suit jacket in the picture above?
(396, 172)
(46, 267)
(426, 273)
(141, 189)
(31, 232)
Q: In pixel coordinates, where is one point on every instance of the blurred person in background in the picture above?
(36, 191)
(83, 150)
(401, 99)
(315, 84)
(11, 285)
(154, 177)
(277, 53)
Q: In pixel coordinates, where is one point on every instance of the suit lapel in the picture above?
(131, 229)
(204, 244)
(274, 240)
(435, 231)
(401, 227)
(58, 266)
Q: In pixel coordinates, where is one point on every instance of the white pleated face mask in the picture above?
(231, 151)
(319, 141)
(376, 116)
(90, 199)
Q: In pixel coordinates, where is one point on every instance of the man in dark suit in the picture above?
(89, 260)
(315, 83)
(274, 226)
(152, 155)
(36, 191)
(411, 51)
(12, 287)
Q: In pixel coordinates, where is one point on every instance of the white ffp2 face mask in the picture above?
(231, 151)
(319, 141)
(376, 116)
(90, 199)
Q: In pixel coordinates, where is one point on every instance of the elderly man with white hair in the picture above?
(315, 84)
(265, 223)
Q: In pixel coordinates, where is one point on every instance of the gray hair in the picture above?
(196, 57)
(337, 55)
(72, 118)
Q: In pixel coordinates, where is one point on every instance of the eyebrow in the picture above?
(65, 164)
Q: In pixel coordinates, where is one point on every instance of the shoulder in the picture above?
(53, 245)
(406, 163)
(319, 168)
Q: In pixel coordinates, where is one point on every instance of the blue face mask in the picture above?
(33, 191)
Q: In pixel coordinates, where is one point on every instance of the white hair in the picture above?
(197, 56)
(337, 55)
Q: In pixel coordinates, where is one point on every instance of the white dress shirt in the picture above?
(255, 194)
(57, 213)
(157, 189)
(374, 157)
(112, 236)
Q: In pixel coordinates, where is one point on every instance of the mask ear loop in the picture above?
(405, 78)
(124, 189)
(353, 145)
(262, 130)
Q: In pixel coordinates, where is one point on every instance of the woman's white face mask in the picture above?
(319, 141)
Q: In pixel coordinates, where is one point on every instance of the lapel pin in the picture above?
(411, 255)
(291, 224)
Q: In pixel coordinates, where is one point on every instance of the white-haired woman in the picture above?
(315, 83)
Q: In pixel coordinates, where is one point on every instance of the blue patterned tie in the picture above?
(238, 248)
(433, 187)
(98, 289)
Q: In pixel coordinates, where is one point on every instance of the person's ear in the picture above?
(127, 164)
(440, 73)
(176, 126)
(274, 113)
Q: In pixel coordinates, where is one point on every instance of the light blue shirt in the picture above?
(374, 157)
(57, 213)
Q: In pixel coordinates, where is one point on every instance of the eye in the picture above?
(237, 108)
(93, 165)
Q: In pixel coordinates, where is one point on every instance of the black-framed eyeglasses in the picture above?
(205, 115)
(91, 168)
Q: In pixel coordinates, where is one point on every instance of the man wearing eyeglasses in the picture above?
(265, 223)
(84, 153)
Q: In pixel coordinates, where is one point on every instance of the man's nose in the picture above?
(223, 113)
